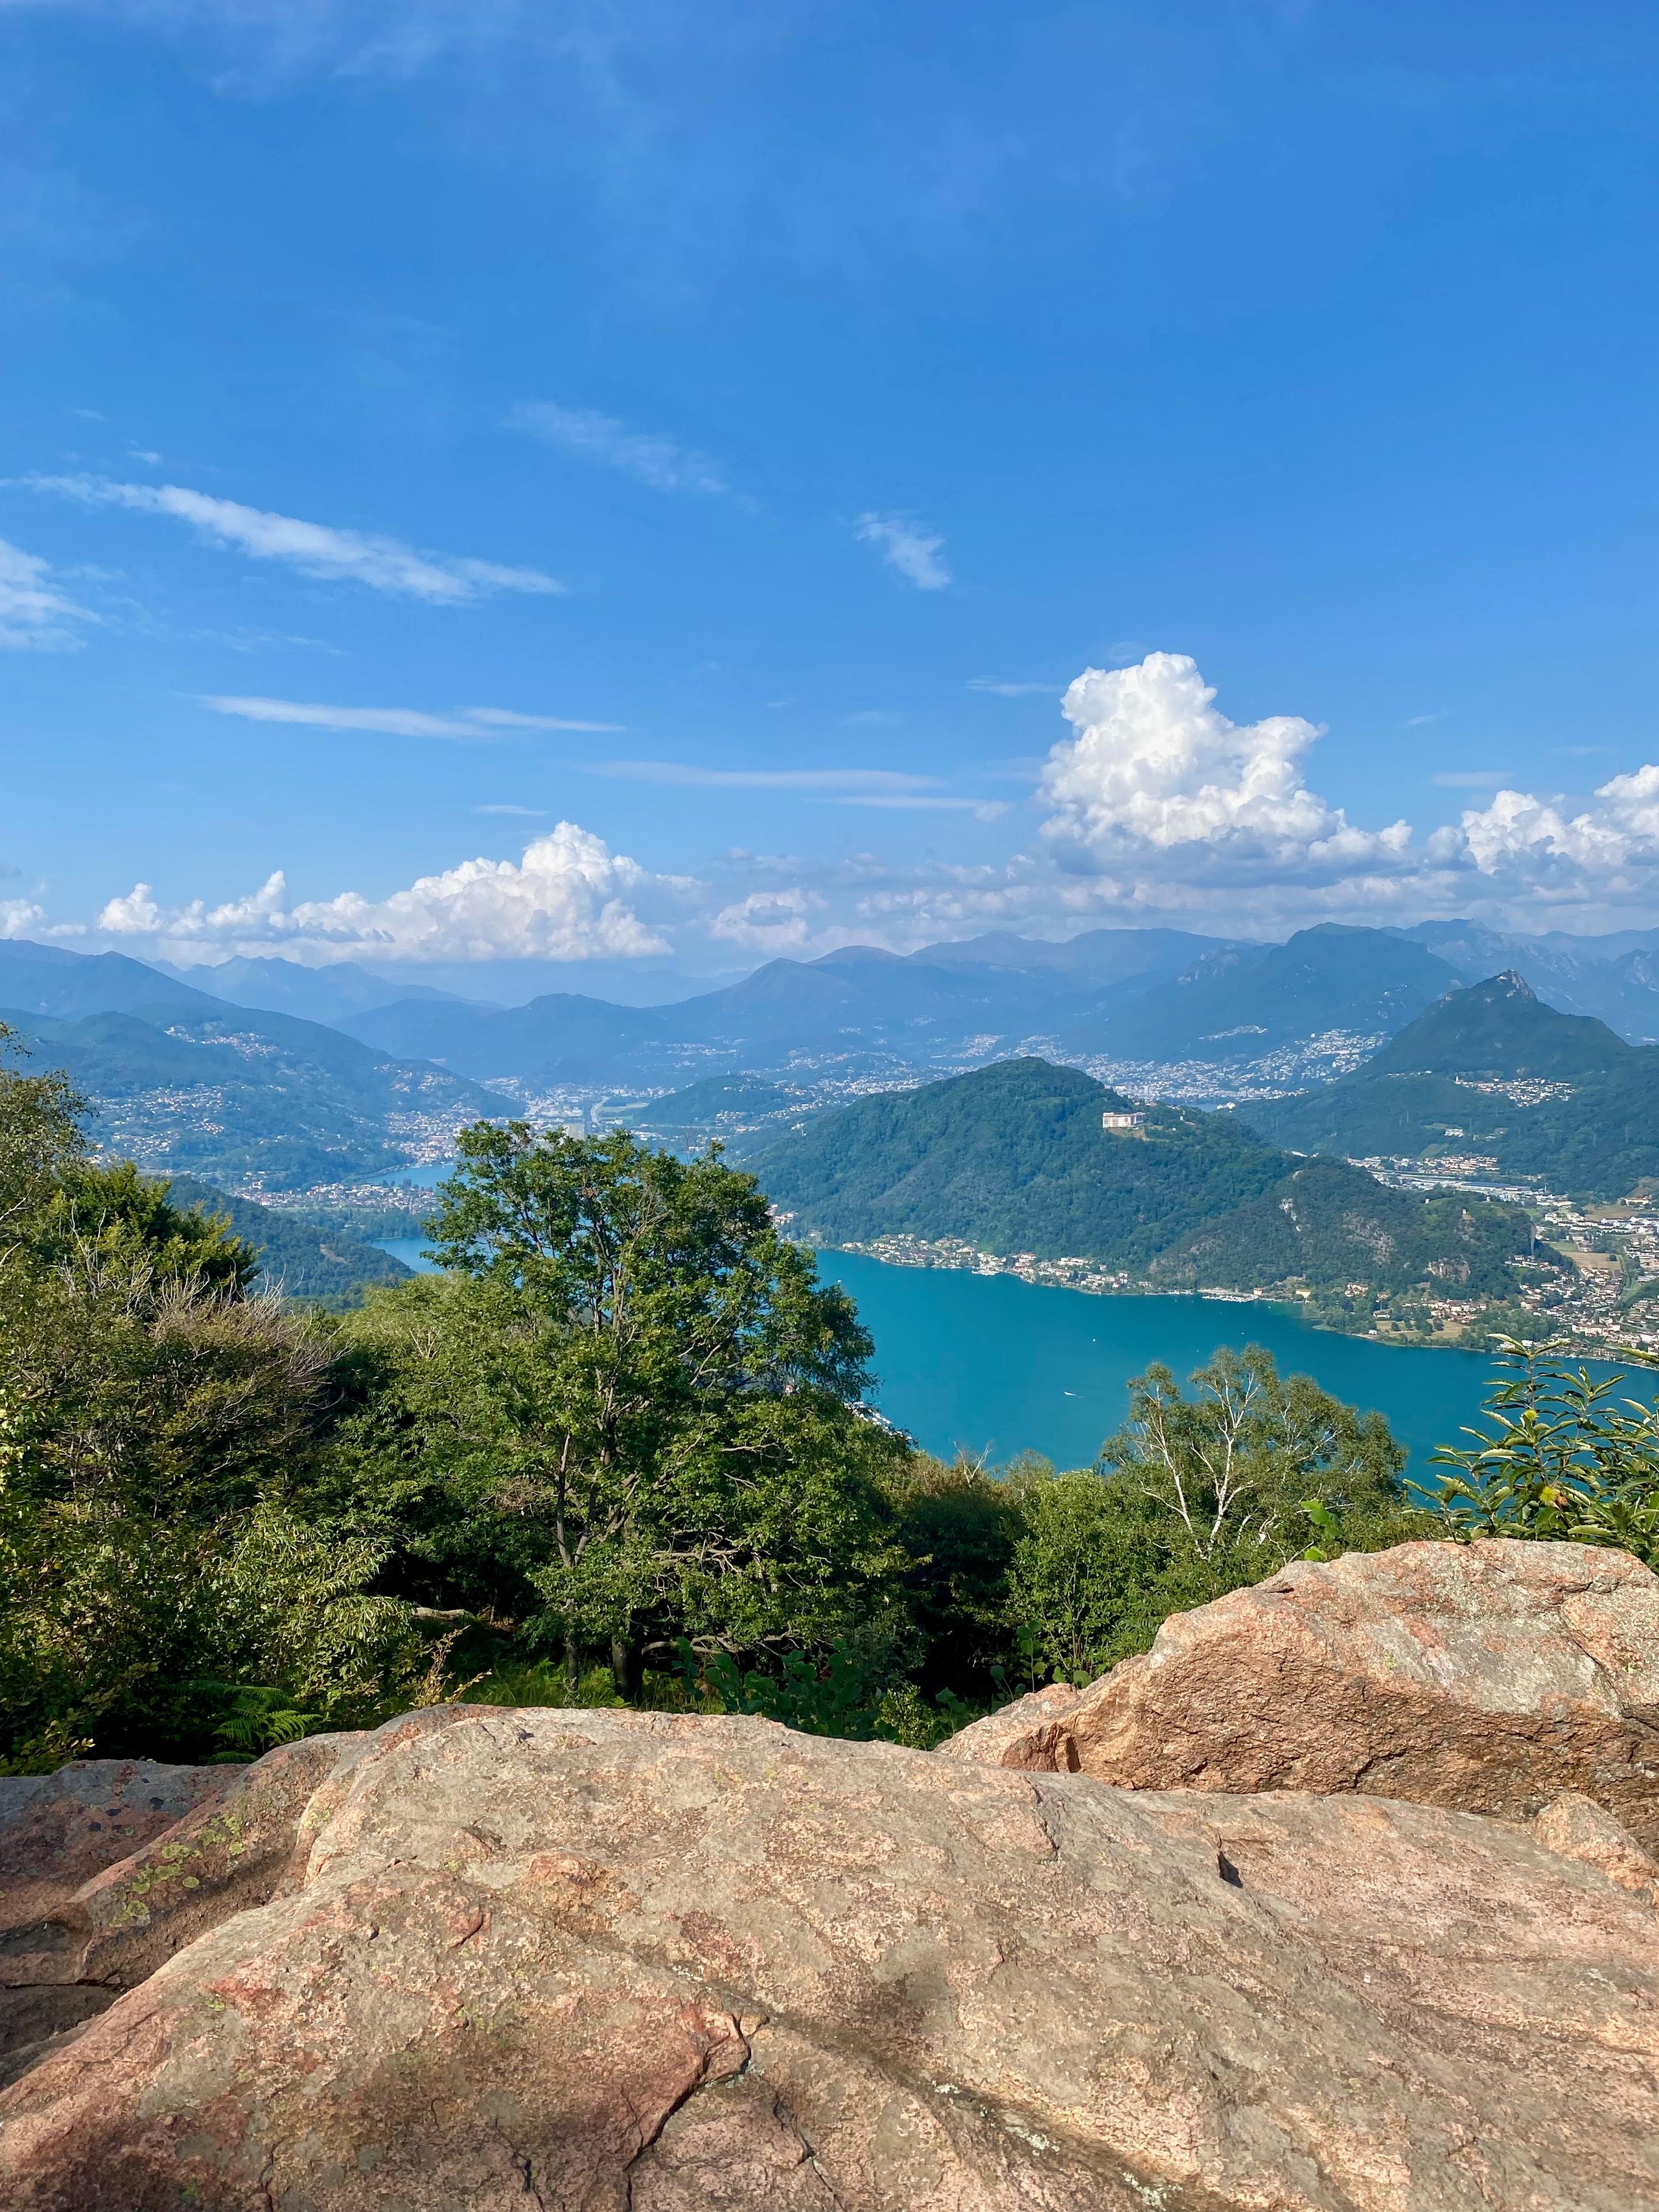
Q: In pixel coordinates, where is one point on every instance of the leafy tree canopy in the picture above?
(632, 1399)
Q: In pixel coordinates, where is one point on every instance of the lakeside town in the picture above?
(1610, 1301)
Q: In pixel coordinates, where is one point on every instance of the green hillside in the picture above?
(1014, 1158)
(214, 1090)
(716, 1104)
(298, 1257)
(1492, 1071)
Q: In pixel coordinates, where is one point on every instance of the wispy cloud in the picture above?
(1014, 690)
(1472, 779)
(33, 612)
(509, 809)
(477, 723)
(831, 781)
(909, 549)
(316, 549)
(1417, 721)
(645, 455)
(982, 809)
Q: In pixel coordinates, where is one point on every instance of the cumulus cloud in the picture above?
(569, 898)
(645, 455)
(1155, 775)
(477, 723)
(21, 917)
(909, 549)
(774, 922)
(34, 615)
(1607, 850)
(315, 549)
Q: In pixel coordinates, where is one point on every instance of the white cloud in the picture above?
(1155, 776)
(504, 718)
(650, 458)
(316, 549)
(569, 898)
(33, 611)
(1011, 690)
(21, 918)
(821, 780)
(909, 549)
(1608, 849)
(477, 723)
(773, 922)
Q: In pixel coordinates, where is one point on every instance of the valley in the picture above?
(1350, 1120)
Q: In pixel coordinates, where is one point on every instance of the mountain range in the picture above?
(980, 997)
(1134, 996)
(181, 1080)
(1014, 1158)
(1494, 1071)
(188, 1075)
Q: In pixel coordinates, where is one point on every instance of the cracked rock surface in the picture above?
(1488, 1677)
(629, 1962)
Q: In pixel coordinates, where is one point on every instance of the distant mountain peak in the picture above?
(1509, 985)
(1500, 1027)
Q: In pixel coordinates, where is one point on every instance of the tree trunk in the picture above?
(627, 1668)
(572, 1666)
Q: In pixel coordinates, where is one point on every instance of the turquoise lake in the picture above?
(993, 1366)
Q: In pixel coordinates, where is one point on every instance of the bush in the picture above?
(1564, 1461)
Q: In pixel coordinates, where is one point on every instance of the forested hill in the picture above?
(1492, 1071)
(302, 1259)
(1014, 1158)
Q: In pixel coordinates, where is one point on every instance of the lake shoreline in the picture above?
(955, 1255)
(981, 1363)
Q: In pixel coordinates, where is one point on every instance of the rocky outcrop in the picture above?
(58, 1833)
(629, 1962)
(1489, 1677)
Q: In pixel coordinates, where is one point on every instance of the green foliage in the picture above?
(155, 1420)
(627, 1411)
(614, 1452)
(1194, 1496)
(107, 1215)
(1563, 1460)
(958, 1525)
(843, 1693)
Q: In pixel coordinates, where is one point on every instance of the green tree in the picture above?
(1192, 1497)
(156, 1426)
(631, 1401)
(958, 1525)
(1562, 1459)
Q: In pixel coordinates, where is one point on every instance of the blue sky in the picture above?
(775, 409)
